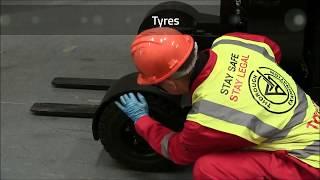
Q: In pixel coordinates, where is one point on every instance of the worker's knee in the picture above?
(204, 169)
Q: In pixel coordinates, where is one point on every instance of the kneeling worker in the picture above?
(249, 119)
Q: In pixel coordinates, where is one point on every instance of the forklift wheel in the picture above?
(120, 140)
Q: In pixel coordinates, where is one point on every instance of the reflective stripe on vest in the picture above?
(253, 47)
(250, 121)
(312, 149)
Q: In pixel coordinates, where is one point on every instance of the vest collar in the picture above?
(203, 67)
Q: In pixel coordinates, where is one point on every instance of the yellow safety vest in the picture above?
(247, 94)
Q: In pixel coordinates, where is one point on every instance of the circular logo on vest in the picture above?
(271, 90)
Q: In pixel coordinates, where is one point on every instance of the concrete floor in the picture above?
(35, 147)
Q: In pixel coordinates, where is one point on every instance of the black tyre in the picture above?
(118, 136)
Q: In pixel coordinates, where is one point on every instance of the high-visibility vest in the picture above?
(247, 94)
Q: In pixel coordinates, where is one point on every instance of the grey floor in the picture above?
(35, 147)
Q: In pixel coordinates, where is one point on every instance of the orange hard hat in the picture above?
(159, 52)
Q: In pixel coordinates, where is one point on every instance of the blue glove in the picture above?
(133, 107)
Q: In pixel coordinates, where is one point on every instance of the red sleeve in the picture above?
(188, 145)
(260, 38)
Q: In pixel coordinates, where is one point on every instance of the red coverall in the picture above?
(219, 155)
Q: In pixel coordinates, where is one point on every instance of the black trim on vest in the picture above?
(202, 60)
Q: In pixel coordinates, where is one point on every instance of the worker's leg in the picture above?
(248, 165)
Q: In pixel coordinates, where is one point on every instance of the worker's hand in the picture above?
(132, 106)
